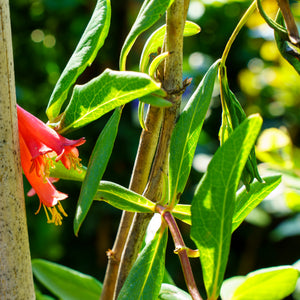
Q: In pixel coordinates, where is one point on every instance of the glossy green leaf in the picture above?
(267, 284)
(103, 94)
(122, 198)
(229, 286)
(58, 170)
(155, 101)
(156, 40)
(172, 292)
(248, 200)
(84, 54)
(214, 203)
(96, 168)
(156, 62)
(146, 276)
(66, 283)
(186, 134)
(183, 213)
(150, 12)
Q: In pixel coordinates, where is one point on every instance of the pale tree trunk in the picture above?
(16, 280)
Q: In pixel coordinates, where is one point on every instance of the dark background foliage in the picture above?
(46, 32)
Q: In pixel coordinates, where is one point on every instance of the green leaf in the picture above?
(145, 278)
(103, 94)
(233, 115)
(64, 282)
(183, 213)
(155, 101)
(149, 14)
(230, 285)
(248, 200)
(186, 134)
(267, 284)
(96, 167)
(58, 170)
(84, 54)
(122, 198)
(156, 62)
(156, 40)
(214, 201)
(171, 292)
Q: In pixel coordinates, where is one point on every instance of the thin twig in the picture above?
(180, 249)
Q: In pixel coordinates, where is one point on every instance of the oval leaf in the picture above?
(96, 167)
(214, 201)
(103, 94)
(66, 283)
(90, 43)
(268, 284)
(171, 292)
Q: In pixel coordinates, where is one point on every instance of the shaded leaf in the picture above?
(214, 201)
(122, 198)
(90, 43)
(150, 12)
(96, 168)
(64, 282)
(145, 278)
(103, 94)
(186, 133)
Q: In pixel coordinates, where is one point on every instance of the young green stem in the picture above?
(181, 250)
(140, 174)
(236, 31)
(16, 280)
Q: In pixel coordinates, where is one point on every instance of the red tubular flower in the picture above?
(38, 143)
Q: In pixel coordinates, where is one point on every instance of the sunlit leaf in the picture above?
(171, 292)
(103, 94)
(186, 133)
(122, 198)
(90, 43)
(183, 213)
(58, 170)
(64, 282)
(150, 12)
(214, 202)
(248, 200)
(145, 278)
(96, 167)
(266, 284)
(156, 39)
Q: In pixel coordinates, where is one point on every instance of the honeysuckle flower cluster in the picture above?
(39, 144)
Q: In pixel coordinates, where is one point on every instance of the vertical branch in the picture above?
(15, 267)
(172, 83)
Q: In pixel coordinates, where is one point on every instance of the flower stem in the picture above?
(236, 31)
(181, 250)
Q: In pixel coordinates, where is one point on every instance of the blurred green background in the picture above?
(46, 32)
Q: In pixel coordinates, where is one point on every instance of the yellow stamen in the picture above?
(61, 209)
(47, 215)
